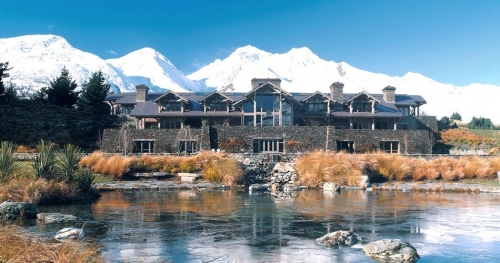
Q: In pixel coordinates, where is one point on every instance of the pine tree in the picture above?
(4, 67)
(61, 90)
(94, 91)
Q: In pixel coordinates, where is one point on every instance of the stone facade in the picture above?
(294, 138)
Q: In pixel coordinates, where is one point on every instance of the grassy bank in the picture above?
(18, 246)
(342, 168)
(53, 177)
(215, 167)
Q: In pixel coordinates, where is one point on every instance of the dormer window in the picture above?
(315, 106)
(217, 106)
(172, 106)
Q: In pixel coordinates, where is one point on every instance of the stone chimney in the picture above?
(142, 92)
(389, 94)
(337, 92)
(256, 82)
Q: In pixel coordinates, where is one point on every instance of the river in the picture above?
(189, 226)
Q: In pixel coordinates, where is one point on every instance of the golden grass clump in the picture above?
(18, 246)
(423, 169)
(474, 166)
(394, 167)
(115, 166)
(494, 163)
(222, 169)
(318, 167)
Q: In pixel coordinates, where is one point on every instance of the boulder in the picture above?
(55, 217)
(339, 238)
(391, 250)
(258, 187)
(282, 167)
(331, 187)
(15, 210)
(69, 233)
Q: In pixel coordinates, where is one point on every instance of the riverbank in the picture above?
(470, 186)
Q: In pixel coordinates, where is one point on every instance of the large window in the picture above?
(267, 145)
(361, 125)
(247, 120)
(171, 125)
(248, 106)
(347, 146)
(389, 146)
(268, 102)
(144, 146)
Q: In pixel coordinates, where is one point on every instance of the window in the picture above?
(126, 109)
(248, 106)
(361, 125)
(402, 126)
(404, 110)
(267, 145)
(247, 120)
(173, 106)
(389, 146)
(268, 102)
(187, 146)
(171, 125)
(144, 146)
(217, 106)
(347, 146)
(317, 107)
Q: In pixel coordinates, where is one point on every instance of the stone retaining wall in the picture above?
(295, 138)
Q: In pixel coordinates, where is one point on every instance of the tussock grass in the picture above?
(17, 246)
(217, 167)
(319, 167)
(461, 136)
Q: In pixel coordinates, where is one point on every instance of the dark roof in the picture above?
(149, 108)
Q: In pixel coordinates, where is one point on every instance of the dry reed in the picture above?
(17, 246)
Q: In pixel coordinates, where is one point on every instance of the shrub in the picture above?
(67, 162)
(44, 163)
(84, 179)
(9, 167)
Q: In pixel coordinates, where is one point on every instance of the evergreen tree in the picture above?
(4, 67)
(94, 91)
(61, 90)
(456, 117)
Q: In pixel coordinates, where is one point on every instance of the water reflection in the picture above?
(238, 227)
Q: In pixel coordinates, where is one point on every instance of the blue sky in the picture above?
(451, 41)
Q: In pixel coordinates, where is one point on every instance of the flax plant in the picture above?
(44, 163)
(67, 162)
(9, 167)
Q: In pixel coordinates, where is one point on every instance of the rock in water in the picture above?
(69, 233)
(14, 210)
(339, 238)
(391, 250)
(55, 217)
(331, 187)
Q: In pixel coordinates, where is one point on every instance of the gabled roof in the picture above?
(213, 94)
(276, 88)
(174, 93)
(363, 93)
(315, 94)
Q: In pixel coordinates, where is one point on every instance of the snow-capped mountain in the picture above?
(37, 59)
(302, 71)
(149, 64)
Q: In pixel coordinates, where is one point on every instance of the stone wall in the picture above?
(165, 140)
(310, 138)
(295, 138)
